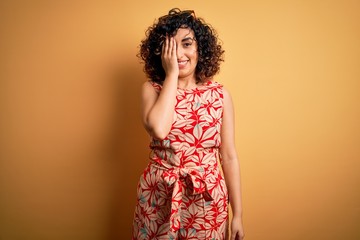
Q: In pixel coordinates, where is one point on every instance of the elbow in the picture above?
(159, 133)
(157, 129)
(229, 157)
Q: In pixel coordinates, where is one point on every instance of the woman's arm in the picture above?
(231, 167)
(158, 109)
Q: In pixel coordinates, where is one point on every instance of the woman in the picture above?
(182, 193)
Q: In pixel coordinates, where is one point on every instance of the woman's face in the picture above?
(187, 54)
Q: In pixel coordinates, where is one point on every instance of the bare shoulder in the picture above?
(148, 90)
(227, 97)
(147, 86)
(225, 91)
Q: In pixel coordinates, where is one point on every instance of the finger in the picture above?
(235, 235)
(163, 52)
(166, 45)
(170, 46)
(174, 47)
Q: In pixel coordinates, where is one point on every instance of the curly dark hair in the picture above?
(210, 52)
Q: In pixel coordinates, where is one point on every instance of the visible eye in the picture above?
(188, 43)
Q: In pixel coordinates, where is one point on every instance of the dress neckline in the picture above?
(203, 85)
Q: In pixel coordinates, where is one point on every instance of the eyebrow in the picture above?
(188, 38)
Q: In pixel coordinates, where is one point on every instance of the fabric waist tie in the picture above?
(194, 178)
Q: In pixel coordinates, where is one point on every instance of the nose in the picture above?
(179, 51)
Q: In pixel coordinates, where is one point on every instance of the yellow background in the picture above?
(73, 147)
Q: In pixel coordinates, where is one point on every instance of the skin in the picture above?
(179, 59)
(230, 166)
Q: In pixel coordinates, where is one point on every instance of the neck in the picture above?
(187, 83)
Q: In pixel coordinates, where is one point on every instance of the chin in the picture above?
(185, 74)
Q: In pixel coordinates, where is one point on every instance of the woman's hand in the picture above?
(237, 230)
(169, 57)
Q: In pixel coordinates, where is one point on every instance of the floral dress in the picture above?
(182, 193)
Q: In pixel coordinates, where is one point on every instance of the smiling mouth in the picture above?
(182, 63)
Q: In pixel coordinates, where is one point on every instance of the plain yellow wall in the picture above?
(73, 147)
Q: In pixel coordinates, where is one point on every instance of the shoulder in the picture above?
(225, 91)
(213, 83)
(220, 88)
(213, 86)
(216, 84)
(150, 90)
(151, 86)
(226, 96)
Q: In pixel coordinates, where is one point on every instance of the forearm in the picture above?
(232, 177)
(160, 117)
